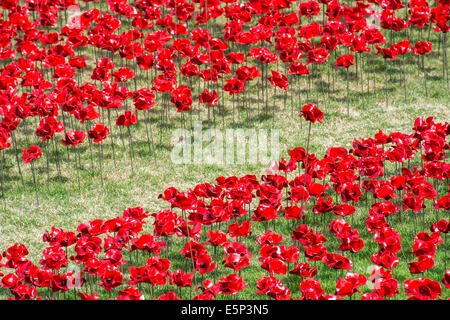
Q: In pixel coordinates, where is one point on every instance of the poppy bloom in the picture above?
(422, 47)
(98, 132)
(345, 61)
(311, 289)
(273, 288)
(279, 80)
(123, 74)
(169, 296)
(182, 98)
(243, 230)
(298, 68)
(311, 113)
(181, 279)
(422, 289)
(73, 138)
(216, 238)
(211, 98)
(48, 127)
(270, 237)
(110, 279)
(127, 119)
(34, 152)
(304, 270)
(131, 293)
(349, 285)
(274, 265)
(441, 226)
(294, 212)
(233, 86)
(236, 256)
(231, 284)
(336, 261)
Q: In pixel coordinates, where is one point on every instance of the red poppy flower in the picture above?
(216, 238)
(402, 47)
(231, 284)
(54, 258)
(319, 55)
(349, 285)
(235, 230)
(209, 98)
(304, 270)
(274, 265)
(98, 133)
(73, 138)
(127, 119)
(10, 281)
(345, 61)
(308, 9)
(446, 279)
(182, 98)
(422, 289)
(311, 113)
(279, 80)
(311, 289)
(236, 256)
(181, 279)
(146, 242)
(169, 296)
(294, 212)
(34, 152)
(131, 293)
(123, 74)
(336, 261)
(270, 237)
(245, 73)
(441, 226)
(344, 209)
(110, 279)
(424, 263)
(273, 288)
(233, 86)
(298, 68)
(387, 53)
(48, 127)
(422, 47)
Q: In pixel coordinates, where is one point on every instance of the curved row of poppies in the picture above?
(170, 44)
(215, 224)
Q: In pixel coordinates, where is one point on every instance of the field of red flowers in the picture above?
(307, 200)
(368, 222)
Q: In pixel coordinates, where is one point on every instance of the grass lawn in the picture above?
(61, 204)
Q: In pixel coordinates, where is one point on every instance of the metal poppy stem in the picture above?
(424, 76)
(34, 182)
(112, 138)
(90, 151)
(444, 56)
(404, 74)
(386, 81)
(77, 155)
(131, 149)
(445, 247)
(150, 145)
(48, 165)
(348, 96)
(58, 166)
(3, 178)
(100, 160)
(13, 138)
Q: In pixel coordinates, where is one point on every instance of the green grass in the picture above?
(62, 205)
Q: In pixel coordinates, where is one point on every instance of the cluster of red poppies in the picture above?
(172, 43)
(211, 214)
